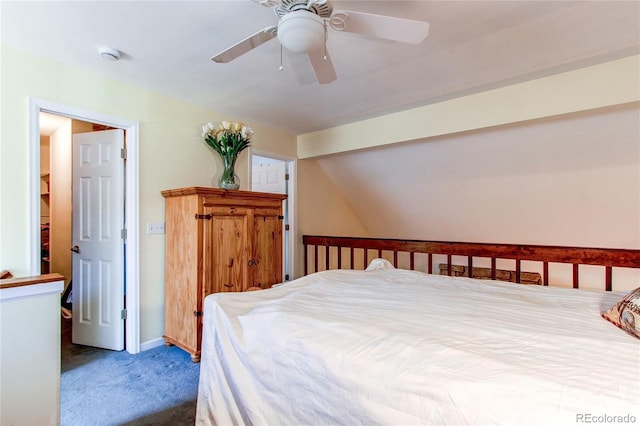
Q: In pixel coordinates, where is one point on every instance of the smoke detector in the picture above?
(109, 53)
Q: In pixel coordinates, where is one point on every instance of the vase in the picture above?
(228, 178)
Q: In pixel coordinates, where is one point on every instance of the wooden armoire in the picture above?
(216, 241)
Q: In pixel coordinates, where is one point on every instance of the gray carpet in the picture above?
(101, 387)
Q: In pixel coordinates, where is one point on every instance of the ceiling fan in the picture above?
(302, 28)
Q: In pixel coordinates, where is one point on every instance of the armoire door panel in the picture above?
(266, 251)
(228, 253)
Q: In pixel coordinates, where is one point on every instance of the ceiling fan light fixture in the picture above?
(301, 31)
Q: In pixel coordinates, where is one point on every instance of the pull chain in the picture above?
(325, 40)
(281, 67)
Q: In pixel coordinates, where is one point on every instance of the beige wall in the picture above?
(172, 155)
(322, 208)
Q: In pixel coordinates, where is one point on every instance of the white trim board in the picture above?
(132, 215)
(153, 343)
(30, 291)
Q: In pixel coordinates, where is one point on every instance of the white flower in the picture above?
(208, 129)
(227, 138)
(246, 132)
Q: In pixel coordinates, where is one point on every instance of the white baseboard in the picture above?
(150, 344)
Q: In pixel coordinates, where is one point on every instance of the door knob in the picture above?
(76, 249)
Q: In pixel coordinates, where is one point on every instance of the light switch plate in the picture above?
(155, 228)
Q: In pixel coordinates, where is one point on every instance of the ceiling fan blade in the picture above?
(298, 65)
(246, 45)
(325, 73)
(380, 26)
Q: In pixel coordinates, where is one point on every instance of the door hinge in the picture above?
(123, 314)
(123, 153)
(123, 234)
(197, 313)
(286, 176)
(204, 216)
(286, 227)
(286, 277)
(280, 217)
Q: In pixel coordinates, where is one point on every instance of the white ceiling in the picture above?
(50, 123)
(472, 46)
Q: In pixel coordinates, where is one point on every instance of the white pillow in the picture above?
(379, 264)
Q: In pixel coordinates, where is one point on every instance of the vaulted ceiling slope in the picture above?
(570, 180)
(472, 46)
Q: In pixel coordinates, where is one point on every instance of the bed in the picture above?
(366, 337)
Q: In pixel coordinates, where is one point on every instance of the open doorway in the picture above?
(82, 213)
(276, 174)
(129, 204)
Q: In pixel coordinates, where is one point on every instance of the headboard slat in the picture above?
(608, 278)
(493, 268)
(327, 250)
(545, 273)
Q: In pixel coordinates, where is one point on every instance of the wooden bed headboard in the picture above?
(344, 252)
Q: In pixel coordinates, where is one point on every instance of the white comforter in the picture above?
(396, 347)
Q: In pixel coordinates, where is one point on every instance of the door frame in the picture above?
(291, 203)
(131, 178)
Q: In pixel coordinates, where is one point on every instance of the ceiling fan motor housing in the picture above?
(322, 8)
(301, 31)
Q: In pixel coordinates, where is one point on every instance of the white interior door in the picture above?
(98, 258)
(268, 175)
(272, 175)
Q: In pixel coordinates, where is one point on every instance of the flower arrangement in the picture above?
(228, 139)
